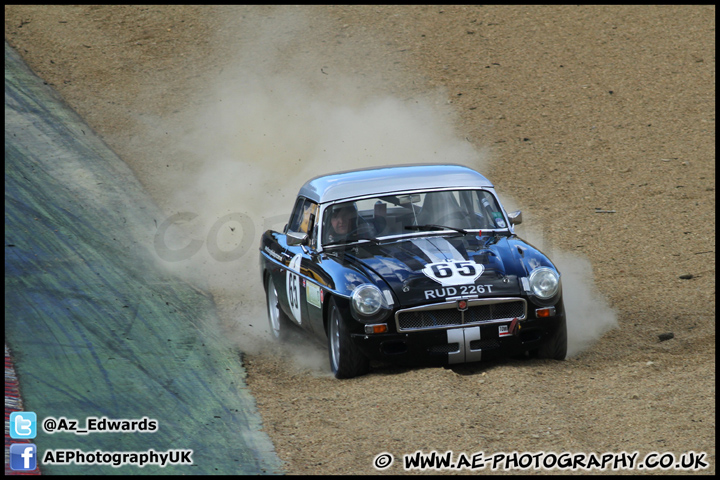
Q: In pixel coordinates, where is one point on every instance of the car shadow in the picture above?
(472, 368)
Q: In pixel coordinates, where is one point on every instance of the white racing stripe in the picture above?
(447, 266)
(438, 249)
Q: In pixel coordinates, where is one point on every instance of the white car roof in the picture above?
(390, 179)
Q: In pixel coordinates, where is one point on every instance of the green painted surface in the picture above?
(97, 329)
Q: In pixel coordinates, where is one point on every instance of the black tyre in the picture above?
(278, 320)
(346, 360)
(556, 347)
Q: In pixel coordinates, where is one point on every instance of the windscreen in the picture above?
(391, 215)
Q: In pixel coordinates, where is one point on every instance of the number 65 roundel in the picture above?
(293, 287)
(454, 272)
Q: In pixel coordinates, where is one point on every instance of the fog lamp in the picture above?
(377, 328)
(545, 312)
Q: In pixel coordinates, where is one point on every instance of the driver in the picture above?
(343, 220)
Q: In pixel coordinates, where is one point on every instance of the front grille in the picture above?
(446, 348)
(447, 314)
(495, 311)
(484, 344)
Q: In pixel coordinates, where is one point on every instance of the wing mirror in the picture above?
(515, 217)
(297, 238)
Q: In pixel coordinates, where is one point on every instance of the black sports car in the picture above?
(415, 264)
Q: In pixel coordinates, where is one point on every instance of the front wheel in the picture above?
(556, 347)
(346, 360)
(277, 318)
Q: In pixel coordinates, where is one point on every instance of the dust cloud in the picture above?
(270, 121)
(589, 315)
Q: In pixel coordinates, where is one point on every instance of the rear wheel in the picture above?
(556, 347)
(277, 318)
(346, 360)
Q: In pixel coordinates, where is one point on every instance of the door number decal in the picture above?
(293, 287)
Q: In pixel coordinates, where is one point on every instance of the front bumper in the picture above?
(459, 344)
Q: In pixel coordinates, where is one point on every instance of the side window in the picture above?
(490, 210)
(308, 217)
(296, 216)
(303, 216)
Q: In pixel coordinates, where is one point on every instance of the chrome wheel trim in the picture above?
(273, 309)
(335, 338)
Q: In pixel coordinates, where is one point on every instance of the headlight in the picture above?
(544, 282)
(368, 300)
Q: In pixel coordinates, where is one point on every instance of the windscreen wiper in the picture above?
(352, 241)
(430, 226)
